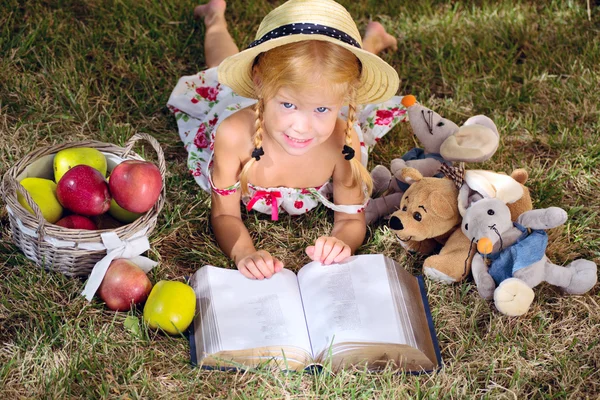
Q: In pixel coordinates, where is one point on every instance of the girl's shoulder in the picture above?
(235, 132)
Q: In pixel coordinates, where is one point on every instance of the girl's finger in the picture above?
(333, 253)
(310, 252)
(318, 254)
(345, 253)
(278, 265)
(263, 266)
(251, 265)
(327, 249)
(244, 271)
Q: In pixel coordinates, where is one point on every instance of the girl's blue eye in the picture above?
(321, 110)
(288, 105)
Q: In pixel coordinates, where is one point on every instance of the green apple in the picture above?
(68, 158)
(170, 306)
(122, 214)
(43, 193)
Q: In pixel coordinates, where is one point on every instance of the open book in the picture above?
(367, 310)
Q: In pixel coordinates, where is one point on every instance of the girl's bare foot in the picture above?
(377, 39)
(212, 11)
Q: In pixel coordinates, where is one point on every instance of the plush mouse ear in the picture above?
(494, 185)
(477, 140)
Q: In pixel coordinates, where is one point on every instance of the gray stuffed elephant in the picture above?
(511, 257)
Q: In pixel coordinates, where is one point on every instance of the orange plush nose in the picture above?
(484, 246)
(408, 100)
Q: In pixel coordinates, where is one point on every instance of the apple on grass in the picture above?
(124, 284)
(171, 306)
(77, 222)
(135, 185)
(83, 190)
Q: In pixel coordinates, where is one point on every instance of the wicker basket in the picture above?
(60, 249)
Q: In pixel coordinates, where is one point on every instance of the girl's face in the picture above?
(301, 120)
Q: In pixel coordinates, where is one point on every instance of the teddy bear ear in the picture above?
(411, 175)
(477, 140)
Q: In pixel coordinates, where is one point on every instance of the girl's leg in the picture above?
(218, 43)
(376, 39)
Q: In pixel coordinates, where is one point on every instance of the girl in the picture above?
(269, 131)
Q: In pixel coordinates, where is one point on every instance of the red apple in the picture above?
(77, 222)
(123, 285)
(83, 190)
(135, 185)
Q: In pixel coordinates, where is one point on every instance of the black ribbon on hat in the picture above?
(306, 28)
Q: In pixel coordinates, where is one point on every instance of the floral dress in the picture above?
(199, 103)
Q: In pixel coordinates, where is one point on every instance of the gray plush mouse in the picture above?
(511, 257)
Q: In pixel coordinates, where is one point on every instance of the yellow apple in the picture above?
(121, 214)
(170, 306)
(43, 193)
(66, 159)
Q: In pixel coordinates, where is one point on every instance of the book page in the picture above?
(349, 302)
(238, 313)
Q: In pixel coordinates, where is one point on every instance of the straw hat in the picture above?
(298, 20)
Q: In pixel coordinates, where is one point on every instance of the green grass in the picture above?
(102, 70)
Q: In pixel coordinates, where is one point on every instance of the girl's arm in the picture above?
(349, 230)
(231, 233)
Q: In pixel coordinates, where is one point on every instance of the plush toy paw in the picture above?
(585, 276)
(513, 297)
(381, 179)
(485, 286)
(396, 167)
(444, 265)
(438, 276)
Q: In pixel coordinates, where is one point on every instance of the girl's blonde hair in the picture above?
(302, 65)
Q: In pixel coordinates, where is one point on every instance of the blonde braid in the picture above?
(359, 172)
(256, 141)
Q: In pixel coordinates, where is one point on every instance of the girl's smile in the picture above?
(297, 143)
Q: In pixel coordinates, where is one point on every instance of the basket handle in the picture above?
(15, 186)
(155, 145)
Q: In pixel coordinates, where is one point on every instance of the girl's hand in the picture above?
(259, 265)
(329, 249)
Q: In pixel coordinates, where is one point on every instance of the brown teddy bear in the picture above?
(429, 217)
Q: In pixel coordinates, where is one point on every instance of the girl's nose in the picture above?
(301, 124)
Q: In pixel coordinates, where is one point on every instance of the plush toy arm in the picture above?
(427, 167)
(484, 281)
(382, 206)
(545, 218)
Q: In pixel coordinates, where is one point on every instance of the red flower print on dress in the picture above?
(208, 93)
(200, 141)
(195, 100)
(196, 172)
(398, 111)
(298, 204)
(384, 117)
(213, 121)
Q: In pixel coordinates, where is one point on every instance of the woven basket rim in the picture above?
(44, 228)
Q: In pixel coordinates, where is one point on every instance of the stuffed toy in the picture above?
(429, 218)
(511, 257)
(443, 142)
